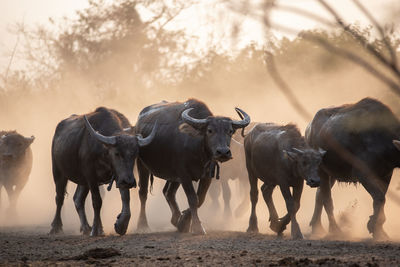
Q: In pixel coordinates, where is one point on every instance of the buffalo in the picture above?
(91, 150)
(358, 139)
(187, 147)
(279, 155)
(15, 164)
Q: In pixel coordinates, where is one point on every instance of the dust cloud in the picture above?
(37, 113)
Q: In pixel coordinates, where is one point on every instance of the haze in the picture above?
(38, 114)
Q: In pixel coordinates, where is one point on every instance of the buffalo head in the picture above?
(306, 162)
(217, 132)
(14, 145)
(122, 150)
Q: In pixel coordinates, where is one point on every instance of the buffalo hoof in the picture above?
(198, 229)
(85, 230)
(121, 225)
(142, 225)
(184, 221)
(297, 236)
(334, 230)
(97, 231)
(55, 230)
(317, 230)
(277, 226)
(252, 229)
(175, 219)
(370, 225)
(380, 235)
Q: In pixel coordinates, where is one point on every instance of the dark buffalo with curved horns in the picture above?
(90, 158)
(358, 139)
(15, 164)
(187, 146)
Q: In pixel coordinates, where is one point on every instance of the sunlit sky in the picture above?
(205, 17)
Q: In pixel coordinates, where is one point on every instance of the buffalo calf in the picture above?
(278, 155)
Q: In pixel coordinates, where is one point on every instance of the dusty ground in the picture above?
(31, 246)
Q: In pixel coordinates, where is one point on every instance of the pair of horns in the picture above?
(112, 140)
(198, 123)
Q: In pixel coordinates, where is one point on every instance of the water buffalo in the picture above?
(15, 164)
(358, 140)
(278, 155)
(186, 147)
(91, 158)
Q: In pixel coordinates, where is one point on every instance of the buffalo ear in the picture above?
(289, 155)
(188, 129)
(396, 143)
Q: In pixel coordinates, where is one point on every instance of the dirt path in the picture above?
(27, 246)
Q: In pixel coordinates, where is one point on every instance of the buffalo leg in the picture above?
(193, 201)
(143, 225)
(315, 223)
(267, 191)
(253, 225)
(226, 193)
(326, 195)
(61, 184)
(377, 190)
(292, 206)
(169, 192)
(202, 190)
(326, 186)
(80, 195)
(186, 217)
(97, 228)
(13, 194)
(121, 225)
(244, 204)
(214, 192)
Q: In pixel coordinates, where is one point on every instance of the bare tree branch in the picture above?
(10, 62)
(372, 49)
(379, 28)
(394, 86)
(307, 14)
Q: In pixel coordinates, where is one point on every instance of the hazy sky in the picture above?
(193, 20)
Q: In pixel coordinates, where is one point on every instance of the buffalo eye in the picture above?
(117, 154)
(209, 131)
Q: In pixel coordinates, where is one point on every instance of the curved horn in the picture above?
(197, 123)
(245, 119)
(127, 129)
(108, 140)
(29, 139)
(147, 140)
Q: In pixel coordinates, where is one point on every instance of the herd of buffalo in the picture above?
(185, 142)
